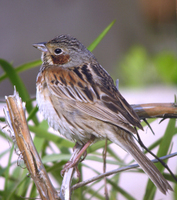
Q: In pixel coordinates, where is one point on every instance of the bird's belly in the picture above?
(71, 123)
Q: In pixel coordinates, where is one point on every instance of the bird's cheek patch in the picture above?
(60, 59)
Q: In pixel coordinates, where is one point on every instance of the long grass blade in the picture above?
(92, 46)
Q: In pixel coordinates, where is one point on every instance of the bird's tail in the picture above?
(126, 141)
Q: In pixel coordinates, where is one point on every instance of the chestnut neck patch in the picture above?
(60, 59)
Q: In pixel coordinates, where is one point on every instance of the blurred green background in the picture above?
(140, 68)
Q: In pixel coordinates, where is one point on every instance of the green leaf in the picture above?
(38, 143)
(18, 83)
(56, 157)
(18, 180)
(43, 133)
(23, 67)
(97, 145)
(92, 46)
(15, 79)
(32, 113)
(96, 158)
(29, 65)
(7, 174)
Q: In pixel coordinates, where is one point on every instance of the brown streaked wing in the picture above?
(116, 103)
(90, 98)
(113, 97)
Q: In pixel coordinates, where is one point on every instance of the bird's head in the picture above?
(64, 50)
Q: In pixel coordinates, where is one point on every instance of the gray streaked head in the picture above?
(65, 50)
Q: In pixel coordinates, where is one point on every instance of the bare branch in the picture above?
(156, 110)
(95, 178)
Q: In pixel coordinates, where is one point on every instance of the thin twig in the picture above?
(95, 178)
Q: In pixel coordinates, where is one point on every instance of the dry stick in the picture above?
(95, 178)
(17, 120)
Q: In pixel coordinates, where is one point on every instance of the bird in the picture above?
(78, 98)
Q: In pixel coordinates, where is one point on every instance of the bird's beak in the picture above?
(41, 46)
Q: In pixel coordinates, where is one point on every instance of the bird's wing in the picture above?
(95, 94)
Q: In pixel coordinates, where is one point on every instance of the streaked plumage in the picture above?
(79, 99)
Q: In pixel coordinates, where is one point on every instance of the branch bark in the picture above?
(156, 110)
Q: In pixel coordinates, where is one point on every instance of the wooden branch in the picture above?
(15, 117)
(156, 110)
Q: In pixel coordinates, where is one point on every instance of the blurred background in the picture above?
(140, 49)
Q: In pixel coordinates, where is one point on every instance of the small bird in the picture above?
(78, 98)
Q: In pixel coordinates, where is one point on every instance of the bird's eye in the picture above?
(57, 51)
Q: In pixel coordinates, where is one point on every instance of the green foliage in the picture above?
(16, 180)
(166, 66)
(138, 68)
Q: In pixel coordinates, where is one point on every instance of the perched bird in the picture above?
(79, 99)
